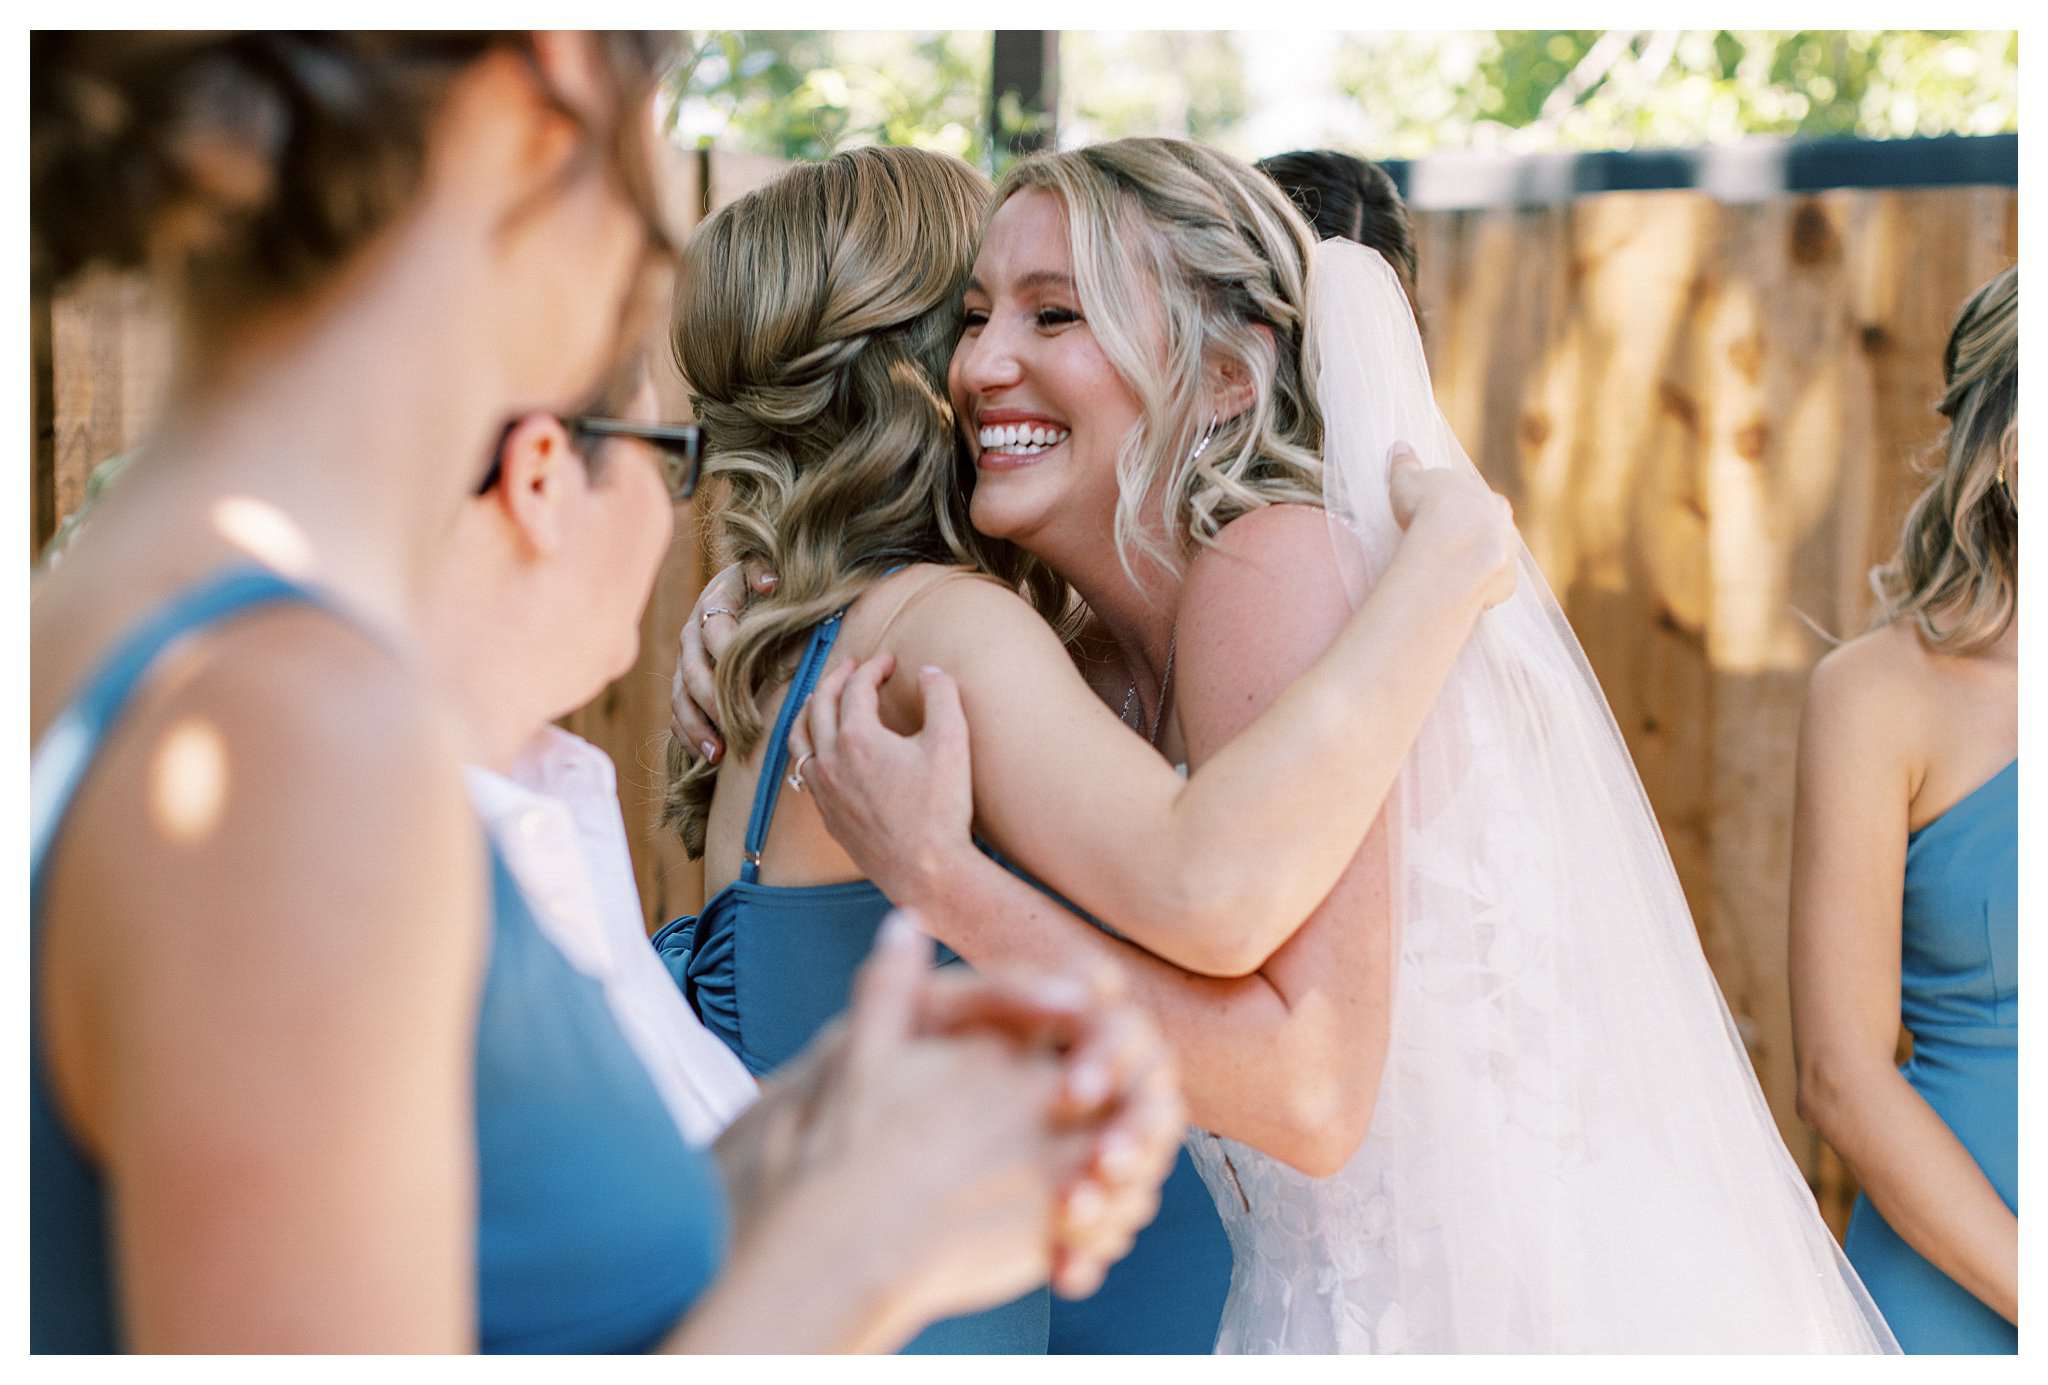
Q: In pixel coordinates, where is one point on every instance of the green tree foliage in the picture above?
(803, 94)
(1528, 89)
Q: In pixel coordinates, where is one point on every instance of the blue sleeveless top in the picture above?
(1959, 999)
(598, 1226)
(765, 967)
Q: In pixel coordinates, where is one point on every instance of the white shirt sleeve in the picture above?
(556, 818)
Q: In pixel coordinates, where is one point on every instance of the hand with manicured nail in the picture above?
(1470, 526)
(902, 806)
(970, 1082)
(1119, 1084)
(713, 621)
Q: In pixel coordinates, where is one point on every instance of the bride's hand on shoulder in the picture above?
(902, 806)
(1468, 527)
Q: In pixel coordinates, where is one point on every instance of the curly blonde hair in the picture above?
(815, 318)
(1223, 257)
(1956, 572)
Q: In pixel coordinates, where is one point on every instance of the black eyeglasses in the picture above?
(679, 445)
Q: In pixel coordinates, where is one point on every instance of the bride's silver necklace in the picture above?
(1130, 712)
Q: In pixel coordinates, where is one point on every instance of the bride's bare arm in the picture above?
(1212, 873)
(1257, 611)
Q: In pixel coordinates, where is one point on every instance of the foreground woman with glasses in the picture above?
(306, 1074)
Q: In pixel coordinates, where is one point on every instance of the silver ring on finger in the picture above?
(796, 774)
(710, 611)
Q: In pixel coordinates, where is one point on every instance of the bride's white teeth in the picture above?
(1022, 439)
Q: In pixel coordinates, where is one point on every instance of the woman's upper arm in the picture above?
(282, 1013)
(1849, 857)
(1259, 609)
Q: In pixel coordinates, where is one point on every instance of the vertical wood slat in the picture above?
(43, 513)
(107, 355)
(1706, 416)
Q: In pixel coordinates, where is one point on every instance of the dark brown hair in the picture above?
(1346, 197)
(244, 167)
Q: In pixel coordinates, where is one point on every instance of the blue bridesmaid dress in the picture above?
(597, 1225)
(1960, 1001)
(765, 966)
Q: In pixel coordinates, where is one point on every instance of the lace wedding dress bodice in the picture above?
(1303, 1252)
(1448, 1228)
(1522, 1189)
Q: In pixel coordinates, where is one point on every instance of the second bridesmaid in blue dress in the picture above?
(1905, 881)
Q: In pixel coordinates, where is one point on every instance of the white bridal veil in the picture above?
(1570, 1152)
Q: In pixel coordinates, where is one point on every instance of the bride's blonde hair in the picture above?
(815, 318)
(1956, 572)
(1191, 266)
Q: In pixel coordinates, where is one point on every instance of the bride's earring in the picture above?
(1208, 436)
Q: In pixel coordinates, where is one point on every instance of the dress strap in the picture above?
(60, 761)
(769, 789)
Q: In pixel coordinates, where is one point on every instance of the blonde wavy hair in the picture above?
(1956, 572)
(1191, 266)
(815, 318)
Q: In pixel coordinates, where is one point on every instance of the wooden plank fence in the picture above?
(1705, 414)
(1707, 417)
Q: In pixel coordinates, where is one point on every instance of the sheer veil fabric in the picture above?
(1569, 1152)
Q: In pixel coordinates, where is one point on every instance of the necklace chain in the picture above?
(1165, 689)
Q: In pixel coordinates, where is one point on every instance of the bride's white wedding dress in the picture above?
(1569, 1150)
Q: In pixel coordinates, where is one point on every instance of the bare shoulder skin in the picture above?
(1894, 734)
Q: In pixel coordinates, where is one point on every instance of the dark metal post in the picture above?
(1023, 91)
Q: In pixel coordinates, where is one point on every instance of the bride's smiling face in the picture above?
(1043, 410)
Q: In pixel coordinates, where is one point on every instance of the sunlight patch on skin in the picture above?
(188, 781)
(265, 533)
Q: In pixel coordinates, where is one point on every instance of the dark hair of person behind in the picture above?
(245, 166)
(1344, 196)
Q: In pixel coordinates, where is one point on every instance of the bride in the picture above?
(1567, 1149)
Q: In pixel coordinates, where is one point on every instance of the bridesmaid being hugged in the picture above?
(1905, 880)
